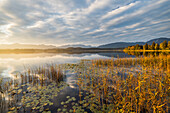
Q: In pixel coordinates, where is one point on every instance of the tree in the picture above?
(163, 45)
(149, 47)
(145, 47)
(153, 45)
(132, 48)
(128, 47)
(168, 44)
(137, 47)
(141, 46)
(156, 46)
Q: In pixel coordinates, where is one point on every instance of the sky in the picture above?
(89, 22)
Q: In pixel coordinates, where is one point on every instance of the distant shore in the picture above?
(67, 50)
(73, 50)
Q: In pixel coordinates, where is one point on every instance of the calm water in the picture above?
(10, 64)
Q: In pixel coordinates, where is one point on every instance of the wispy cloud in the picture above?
(83, 21)
(119, 10)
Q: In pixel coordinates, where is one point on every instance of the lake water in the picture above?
(10, 64)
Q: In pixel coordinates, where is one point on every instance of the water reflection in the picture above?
(10, 64)
(153, 54)
(14, 63)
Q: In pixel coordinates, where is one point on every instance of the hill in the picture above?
(158, 40)
(120, 44)
(75, 46)
(126, 44)
(107, 46)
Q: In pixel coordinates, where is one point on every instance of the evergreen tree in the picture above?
(156, 46)
(145, 47)
(132, 48)
(163, 45)
(153, 45)
(129, 47)
(149, 47)
(169, 45)
(137, 47)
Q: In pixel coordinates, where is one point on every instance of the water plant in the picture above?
(125, 85)
(114, 85)
(33, 90)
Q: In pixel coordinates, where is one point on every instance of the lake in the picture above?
(10, 64)
(53, 98)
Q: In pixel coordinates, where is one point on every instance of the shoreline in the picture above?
(68, 50)
(147, 50)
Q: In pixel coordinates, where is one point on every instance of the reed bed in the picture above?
(124, 85)
(137, 85)
(24, 92)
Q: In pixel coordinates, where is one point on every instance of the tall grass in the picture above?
(16, 95)
(115, 85)
(125, 85)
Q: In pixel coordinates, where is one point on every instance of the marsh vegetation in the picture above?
(124, 85)
(114, 85)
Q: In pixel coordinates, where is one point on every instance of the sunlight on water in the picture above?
(10, 64)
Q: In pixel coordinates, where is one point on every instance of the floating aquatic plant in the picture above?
(37, 97)
(105, 86)
(124, 85)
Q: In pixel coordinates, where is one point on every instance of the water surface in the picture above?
(10, 64)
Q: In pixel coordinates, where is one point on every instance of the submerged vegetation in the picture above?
(114, 85)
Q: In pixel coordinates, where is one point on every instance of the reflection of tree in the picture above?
(153, 54)
(145, 54)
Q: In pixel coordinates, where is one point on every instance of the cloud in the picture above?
(119, 10)
(5, 31)
(83, 21)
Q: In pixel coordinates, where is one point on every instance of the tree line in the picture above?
(155, 46)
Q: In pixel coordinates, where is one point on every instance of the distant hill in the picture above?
(75, 46)
(126, 44)
(111, 45)
(120, 44)
(25, 46)
(158, 40)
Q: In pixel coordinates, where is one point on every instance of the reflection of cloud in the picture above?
(71, 80)
(61, 56)
(83, 21)
(7, 72)
(6, 97)
(2, 67)
(24, 56)
(11, 63)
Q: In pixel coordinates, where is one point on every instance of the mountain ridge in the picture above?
(75, 46)
(109, 45)
(126, 44)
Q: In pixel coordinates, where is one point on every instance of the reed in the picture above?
(114, 85)
(125, 85)
(29, 86)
